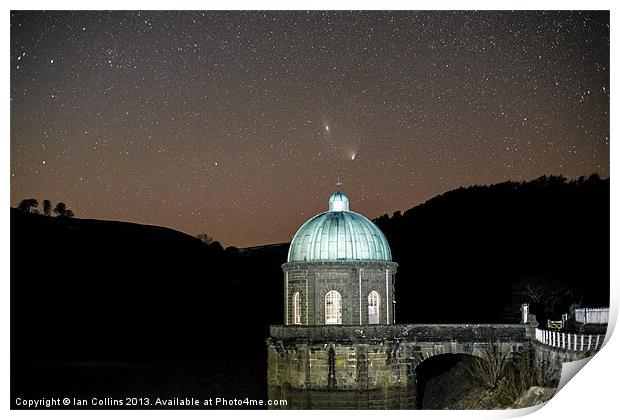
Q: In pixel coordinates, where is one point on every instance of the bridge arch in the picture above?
(426, 350)
(442, 379)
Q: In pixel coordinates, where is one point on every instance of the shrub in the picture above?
(490, 368)
(519, 376)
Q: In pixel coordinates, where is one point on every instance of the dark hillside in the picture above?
(466, 254)
(102, 290)
(91, 289)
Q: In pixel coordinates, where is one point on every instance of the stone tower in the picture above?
(339, 271)
(334, 349)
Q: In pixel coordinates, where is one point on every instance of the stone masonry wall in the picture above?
(312, 280)
(549, 362)
(378, 359)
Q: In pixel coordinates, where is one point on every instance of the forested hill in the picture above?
(102, 290)
(472, 253)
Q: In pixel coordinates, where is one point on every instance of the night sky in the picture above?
(239, 124)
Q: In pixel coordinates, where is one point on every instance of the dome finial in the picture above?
(338, 202)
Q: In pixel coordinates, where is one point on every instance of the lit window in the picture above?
(333, 308)
(373, 307)
(296, 309)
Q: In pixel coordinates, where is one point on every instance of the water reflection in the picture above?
(301, 399)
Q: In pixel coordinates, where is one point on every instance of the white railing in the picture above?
(592, 315)
(570, 341)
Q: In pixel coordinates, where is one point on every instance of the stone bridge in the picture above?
(351, 366)
(419, 341)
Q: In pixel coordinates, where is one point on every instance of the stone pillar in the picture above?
(525, 311)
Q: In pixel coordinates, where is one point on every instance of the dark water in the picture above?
(393, 399)
(134, 383)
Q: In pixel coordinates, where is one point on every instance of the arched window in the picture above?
(296, 309)
(333, 308)
(373, 307)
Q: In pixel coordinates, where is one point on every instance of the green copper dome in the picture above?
(339, 234)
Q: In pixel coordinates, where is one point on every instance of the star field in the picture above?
(238, 124)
